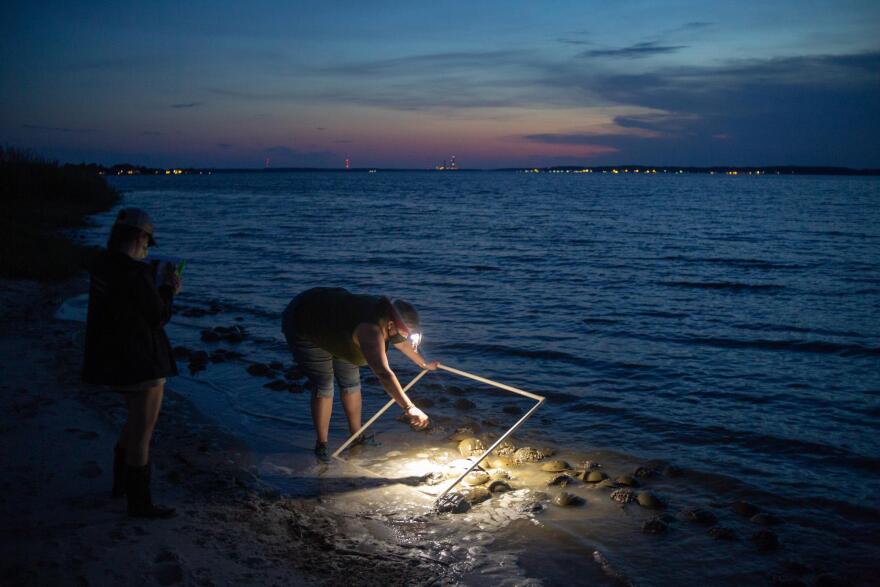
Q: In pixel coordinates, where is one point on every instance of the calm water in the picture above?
(730, 326)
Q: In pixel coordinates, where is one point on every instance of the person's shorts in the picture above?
(321, 367)
(141, 386)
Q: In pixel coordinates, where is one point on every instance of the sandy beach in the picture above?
(62, 527)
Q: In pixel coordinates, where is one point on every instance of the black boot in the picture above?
(118, 471)
(140, 502)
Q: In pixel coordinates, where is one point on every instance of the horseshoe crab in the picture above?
(561, 480)
(607, 484)
(555, 466)
(505, 449)
(499, 475)
(594, 476)
(462, 433)
(745, 509)
(476, 478)
(475, 495)
(527, 455)
(453, 502)
(648, 500)
(700, 516)
(499, 462)
(623, 495)
(499, 486)
(721, 533)
(654, 526)
(470, 447)
(627, 481)
(566, 499)
(765, 540)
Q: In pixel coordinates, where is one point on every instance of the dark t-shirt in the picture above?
(328, 317)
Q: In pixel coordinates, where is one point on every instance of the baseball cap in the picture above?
(137, 218)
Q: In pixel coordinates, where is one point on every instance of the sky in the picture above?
(410, 84)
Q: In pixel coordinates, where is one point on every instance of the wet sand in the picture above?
(61, 526)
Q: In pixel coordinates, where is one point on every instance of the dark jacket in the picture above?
(125, 339)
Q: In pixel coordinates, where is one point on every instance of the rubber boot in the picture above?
(140, 501)
(118, 471)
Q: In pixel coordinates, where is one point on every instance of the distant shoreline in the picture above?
(126, 169)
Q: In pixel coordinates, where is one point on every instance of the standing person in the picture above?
(332, 332)
(127, 351)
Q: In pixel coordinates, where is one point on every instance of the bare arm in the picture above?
(414, 356)
(369, 338)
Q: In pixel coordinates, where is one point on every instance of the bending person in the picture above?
(332, 332)
(127, 351)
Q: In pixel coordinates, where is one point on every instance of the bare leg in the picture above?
(322, 408)
(351, 403)
(143, 411)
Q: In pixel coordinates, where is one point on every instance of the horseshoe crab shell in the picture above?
(594, 476)
(566, 499)
(527, 455)
(470, 447)
(556, 466)
(476, 478)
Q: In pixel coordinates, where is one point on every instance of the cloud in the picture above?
(58, 129)
(187, 105)
(810, 109)
(637, 51)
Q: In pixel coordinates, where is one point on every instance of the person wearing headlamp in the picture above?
(332, 332)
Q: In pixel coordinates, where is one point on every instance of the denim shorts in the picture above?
(321, 367)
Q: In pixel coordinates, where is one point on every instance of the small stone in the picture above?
(765, 541)
(744, 509)
(700, 516)
(764, 519)
(648, 500)
(721, 533)
(594, 476)
(259, 370)
(623, 495)
(590, 465)
(470, 447)
(210, 336)
(452, 502)
(464, 404)
(627, 481)
(673, 471)
(555, 466)
(566, 499)
(654, 526)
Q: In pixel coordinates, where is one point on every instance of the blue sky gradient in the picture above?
(408, 84)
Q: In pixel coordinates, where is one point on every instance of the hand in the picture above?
(416, 417)
(175, 282)
(432, 365)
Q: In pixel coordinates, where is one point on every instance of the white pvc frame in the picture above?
(538, 398)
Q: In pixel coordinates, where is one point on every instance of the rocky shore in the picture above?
(62, 528)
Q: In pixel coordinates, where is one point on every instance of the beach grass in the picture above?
(41, 200)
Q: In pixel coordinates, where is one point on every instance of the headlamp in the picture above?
(415, 338)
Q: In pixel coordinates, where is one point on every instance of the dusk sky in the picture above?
(408, 84)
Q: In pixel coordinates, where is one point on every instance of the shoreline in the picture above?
(230, 528)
